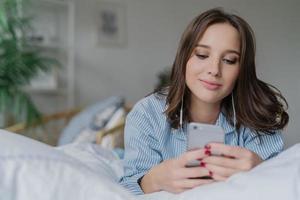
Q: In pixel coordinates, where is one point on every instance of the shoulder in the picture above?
(147, 120)
(151, 106)
(149, 112)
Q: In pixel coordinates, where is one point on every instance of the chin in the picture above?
(211, 101)
(209, 98)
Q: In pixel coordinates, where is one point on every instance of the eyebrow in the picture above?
(208, 47)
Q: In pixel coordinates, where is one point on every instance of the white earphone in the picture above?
(181, 115)
(233, 109)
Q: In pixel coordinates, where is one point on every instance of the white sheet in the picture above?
(276, 179)
(30, 170)
(102, 161)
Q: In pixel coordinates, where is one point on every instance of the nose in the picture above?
(214, 68)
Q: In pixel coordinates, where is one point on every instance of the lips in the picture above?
(210, 85)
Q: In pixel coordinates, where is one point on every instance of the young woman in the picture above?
(213, 81)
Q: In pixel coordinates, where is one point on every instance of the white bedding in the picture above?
(30, 170)
(276, 179)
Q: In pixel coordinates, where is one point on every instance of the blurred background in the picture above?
(99, 49)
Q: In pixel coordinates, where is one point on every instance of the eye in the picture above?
(202, 56)
(230, 61)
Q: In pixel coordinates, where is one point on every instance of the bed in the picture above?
(33, 170)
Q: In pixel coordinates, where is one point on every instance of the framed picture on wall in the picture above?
(112, 24)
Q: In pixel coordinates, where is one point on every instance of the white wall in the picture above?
(154, 28)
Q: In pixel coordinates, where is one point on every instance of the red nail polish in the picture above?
(207, 152)
(200, 159)
(210, 173)
(207, 146)
(202, 164)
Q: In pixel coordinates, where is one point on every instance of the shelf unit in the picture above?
(53, 32)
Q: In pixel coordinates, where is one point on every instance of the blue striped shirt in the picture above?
(149, 140)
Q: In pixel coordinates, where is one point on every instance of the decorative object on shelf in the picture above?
(45, 23)
(20, 62)
(111, 24)
(44, 81)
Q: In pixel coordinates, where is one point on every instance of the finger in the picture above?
(194, 172)
(222, 161)
(229, 151)
(235, 164)
(221, 171)
(191, 183)
(192, 155)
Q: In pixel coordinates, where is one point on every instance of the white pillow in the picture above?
(110, 117)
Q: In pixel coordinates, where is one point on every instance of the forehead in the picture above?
(221, 36)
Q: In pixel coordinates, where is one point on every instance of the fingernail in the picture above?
(200, 159)
(207, 152)
(210, 173)
(207, 146)
(202, 164)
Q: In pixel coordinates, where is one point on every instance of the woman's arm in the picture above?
(266, 146)
(173, 175)
(140, 154)
(144, 169)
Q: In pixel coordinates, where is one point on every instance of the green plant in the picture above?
(19, 63)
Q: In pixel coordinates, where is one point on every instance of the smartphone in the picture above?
(201, 134)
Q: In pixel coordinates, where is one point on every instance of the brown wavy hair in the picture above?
(259, 106)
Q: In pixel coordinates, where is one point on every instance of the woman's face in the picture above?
(213, 67)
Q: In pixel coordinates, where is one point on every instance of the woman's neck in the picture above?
(204, 112)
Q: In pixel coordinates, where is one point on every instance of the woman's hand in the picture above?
(233, 159)
(173, 175)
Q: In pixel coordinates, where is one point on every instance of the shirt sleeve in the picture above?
(140, 153)
(266, 146)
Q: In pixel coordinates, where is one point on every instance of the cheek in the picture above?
(193, 67)
(188, 70)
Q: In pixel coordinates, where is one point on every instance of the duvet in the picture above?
(31, 170)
